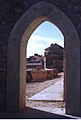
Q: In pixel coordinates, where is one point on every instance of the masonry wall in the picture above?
(10, 12)
(41, 75)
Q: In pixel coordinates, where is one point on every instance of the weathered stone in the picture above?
(41, 75)
(10, 13)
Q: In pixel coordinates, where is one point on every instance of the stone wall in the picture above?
(41, 75)
(10, 12)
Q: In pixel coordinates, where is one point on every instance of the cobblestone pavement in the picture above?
(33, 88)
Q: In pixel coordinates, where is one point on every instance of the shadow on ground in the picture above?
(31, 113)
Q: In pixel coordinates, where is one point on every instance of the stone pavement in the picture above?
(52, 93)
(30, 113)
(45, 110)
(47, 99)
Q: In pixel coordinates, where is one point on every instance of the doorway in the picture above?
(45, 93)
(16, 70)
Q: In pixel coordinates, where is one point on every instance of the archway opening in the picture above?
(16, 55)
(45, 86)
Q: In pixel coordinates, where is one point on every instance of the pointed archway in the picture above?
(16, 55)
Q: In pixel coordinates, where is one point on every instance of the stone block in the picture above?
(41, 75)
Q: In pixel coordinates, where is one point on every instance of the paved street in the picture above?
(47, 95)
(51, 93)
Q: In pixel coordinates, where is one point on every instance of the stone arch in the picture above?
(16, 54)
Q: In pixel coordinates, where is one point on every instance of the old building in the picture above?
(18, 20)
(54, 57)
(34, 62)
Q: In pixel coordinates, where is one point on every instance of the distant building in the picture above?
(34, 62)
(54, 57)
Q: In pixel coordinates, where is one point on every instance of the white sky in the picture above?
(46, 34)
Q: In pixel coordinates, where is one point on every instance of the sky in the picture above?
(46, 34)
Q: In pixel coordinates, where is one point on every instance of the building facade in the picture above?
(54, 57)
(34, 62)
